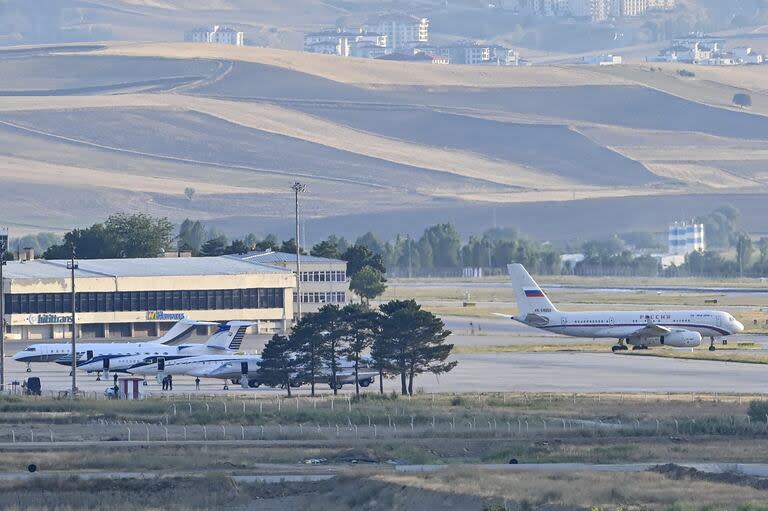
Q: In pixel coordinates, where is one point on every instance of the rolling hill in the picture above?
(88, 131)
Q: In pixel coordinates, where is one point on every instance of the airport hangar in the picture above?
(143, 297)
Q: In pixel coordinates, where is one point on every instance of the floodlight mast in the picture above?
(297, 188)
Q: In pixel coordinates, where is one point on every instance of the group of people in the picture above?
(168, 383)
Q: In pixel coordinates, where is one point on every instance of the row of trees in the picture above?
(403, 341)
(440, 248)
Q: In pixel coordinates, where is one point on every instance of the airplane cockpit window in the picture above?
(31, 349)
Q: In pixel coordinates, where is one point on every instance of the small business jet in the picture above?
(119, 357)
(640, 329)
(52, 352)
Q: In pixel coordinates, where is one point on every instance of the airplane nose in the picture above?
(739, 326)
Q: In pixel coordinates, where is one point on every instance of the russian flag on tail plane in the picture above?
(534, 293)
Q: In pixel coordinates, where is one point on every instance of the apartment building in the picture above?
(216, 35)
(402, 31)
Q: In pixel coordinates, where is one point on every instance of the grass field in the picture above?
(449, 430)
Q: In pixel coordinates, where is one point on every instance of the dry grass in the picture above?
(584, 489)
(366, 71)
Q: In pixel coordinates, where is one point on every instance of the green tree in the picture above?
(744, 250)
(445, 243)
(742, 100)
(327, 249)
(367, 283)
(192, 235)
(371, 242)
(358, 257)
(417, 341)
(214, 247)
(268, 243)
(309, 337)
(139, 235)
(278, 366)
(94, 242)
(329, 321)
(358, 331)
(289, 247)
(236, 247)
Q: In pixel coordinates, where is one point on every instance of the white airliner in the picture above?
(640, 329)
(98, 357)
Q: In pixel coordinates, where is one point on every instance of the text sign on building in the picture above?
(165, 316)
(50, 319)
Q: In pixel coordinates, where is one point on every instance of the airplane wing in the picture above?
(651, 330)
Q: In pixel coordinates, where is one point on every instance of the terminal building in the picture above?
(143, 297)
(323, 280)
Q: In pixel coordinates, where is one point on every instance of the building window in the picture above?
(220, 299)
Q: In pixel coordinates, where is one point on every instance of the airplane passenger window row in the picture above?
(215, 299)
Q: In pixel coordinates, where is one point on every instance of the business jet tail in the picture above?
(229, 336)
(529, 296)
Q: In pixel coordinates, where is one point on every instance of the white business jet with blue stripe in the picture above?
(639, 329)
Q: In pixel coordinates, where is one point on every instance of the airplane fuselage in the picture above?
(621, 324)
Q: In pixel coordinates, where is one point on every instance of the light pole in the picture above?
(72, 266)
(297, 188)
(3, 248)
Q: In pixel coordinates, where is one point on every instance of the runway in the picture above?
(505, 372)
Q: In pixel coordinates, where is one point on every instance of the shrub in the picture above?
(742, 100)
(686, 73)
(757, 410)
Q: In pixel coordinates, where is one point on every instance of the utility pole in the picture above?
(72, 266)
(297, 188)
(3, 247)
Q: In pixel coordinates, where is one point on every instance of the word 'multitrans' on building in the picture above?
(142, 297)
(216, 35)
(323, 280)
(685, 238)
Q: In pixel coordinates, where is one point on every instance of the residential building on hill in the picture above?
(215, 35)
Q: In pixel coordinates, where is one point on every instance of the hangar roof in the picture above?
(154, 267)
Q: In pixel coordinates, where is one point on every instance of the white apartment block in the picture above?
(215, 35)
(401, 31)
(596, 10)
(629, 8)
(685, 238)
(662, 5)
(346, 43)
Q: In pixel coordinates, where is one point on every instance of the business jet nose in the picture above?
(739, 326)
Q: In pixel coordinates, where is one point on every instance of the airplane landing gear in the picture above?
(98, 376)
(712, 344)
(29, 367)
(639, 347)
(619, 347)
(226, 387)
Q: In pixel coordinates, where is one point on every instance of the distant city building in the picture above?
(323, 280)
(596, 10)
(685, 238)
(346, 43)
(216, 35)
(707, 51)
(401, 30)
(471, 53)
(603, 60)
(629, 8)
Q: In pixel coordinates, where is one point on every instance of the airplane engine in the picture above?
(681, 339)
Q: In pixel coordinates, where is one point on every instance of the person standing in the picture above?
(170, 382)
(197, 383)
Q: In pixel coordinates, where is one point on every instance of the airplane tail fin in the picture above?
(229, 336)
(529, 296)
(181, 331)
